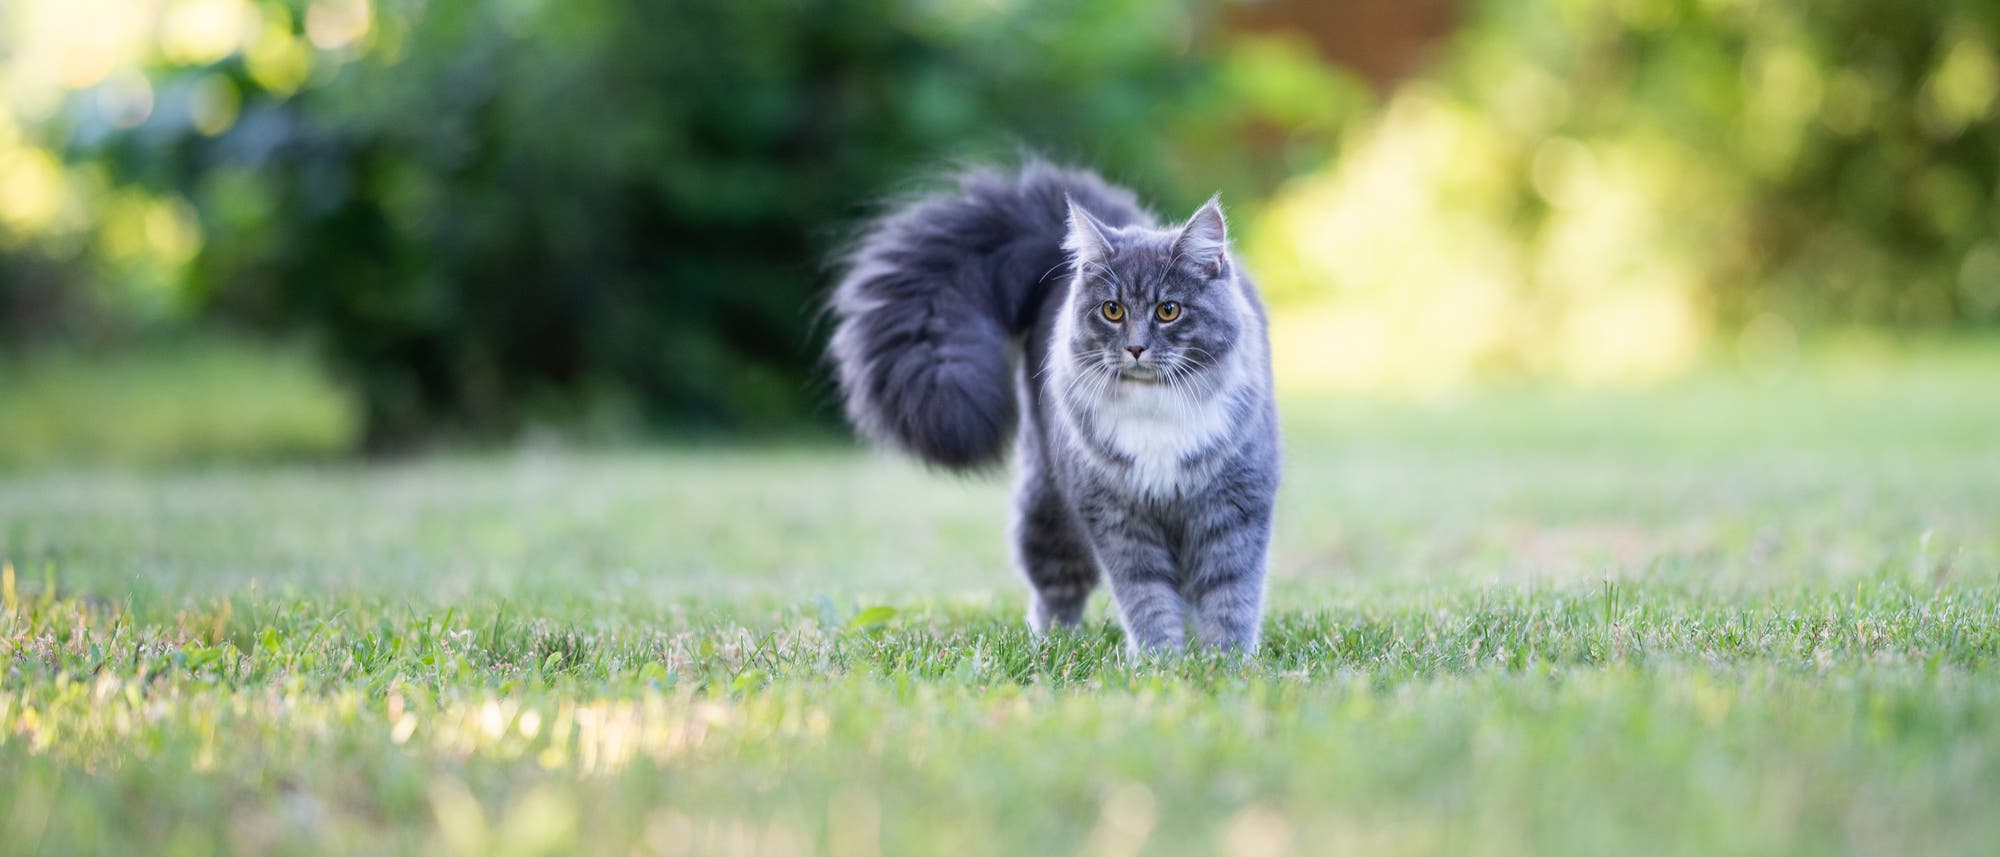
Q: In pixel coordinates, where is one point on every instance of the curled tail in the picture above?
(934, 299)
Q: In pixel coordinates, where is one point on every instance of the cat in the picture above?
(1129, 361)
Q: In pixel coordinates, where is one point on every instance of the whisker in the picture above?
(1089, 373)
(1183, 368)
(1052, 365)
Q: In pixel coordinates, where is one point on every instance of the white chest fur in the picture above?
(1157, 430)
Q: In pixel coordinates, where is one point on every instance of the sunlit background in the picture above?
(253, 228)
(414, 439)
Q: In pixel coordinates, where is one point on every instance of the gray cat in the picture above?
(1134, 362)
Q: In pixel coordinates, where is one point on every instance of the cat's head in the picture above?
(1153, 306)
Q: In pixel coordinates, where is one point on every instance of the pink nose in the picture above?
(1136, 350)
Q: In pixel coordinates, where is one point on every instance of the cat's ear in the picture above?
(1204, 242)
(1087, 239)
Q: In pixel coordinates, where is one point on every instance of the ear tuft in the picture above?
(1087, 239)
(1204, 241)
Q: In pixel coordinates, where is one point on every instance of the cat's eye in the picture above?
(1113, 311)
(1167, 311)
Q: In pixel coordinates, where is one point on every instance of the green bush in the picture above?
(492, 213)
(1853, 143)
(506, 211)
(1606, 192)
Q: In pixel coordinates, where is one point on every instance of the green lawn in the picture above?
(1719, 618)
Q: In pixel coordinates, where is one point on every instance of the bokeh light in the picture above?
(1565, 192)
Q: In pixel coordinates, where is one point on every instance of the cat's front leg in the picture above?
(1224, 554)
(1150, 607)
(1145, 583)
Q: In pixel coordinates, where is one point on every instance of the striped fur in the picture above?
(1147, 436)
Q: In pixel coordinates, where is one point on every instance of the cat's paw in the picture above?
(1153, 649)
(1045, 618)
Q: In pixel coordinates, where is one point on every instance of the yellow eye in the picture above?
(1167, 311)
(1114, 311)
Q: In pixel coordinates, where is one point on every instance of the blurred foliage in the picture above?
(1596, 190)
(617, 212)
(612, 209)
(192, 400)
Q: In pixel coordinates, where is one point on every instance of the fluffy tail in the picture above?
(935, 297)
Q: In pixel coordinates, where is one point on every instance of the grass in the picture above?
(1719, 618)
(148, 404)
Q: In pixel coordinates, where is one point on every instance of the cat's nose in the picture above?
(1136, 350)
